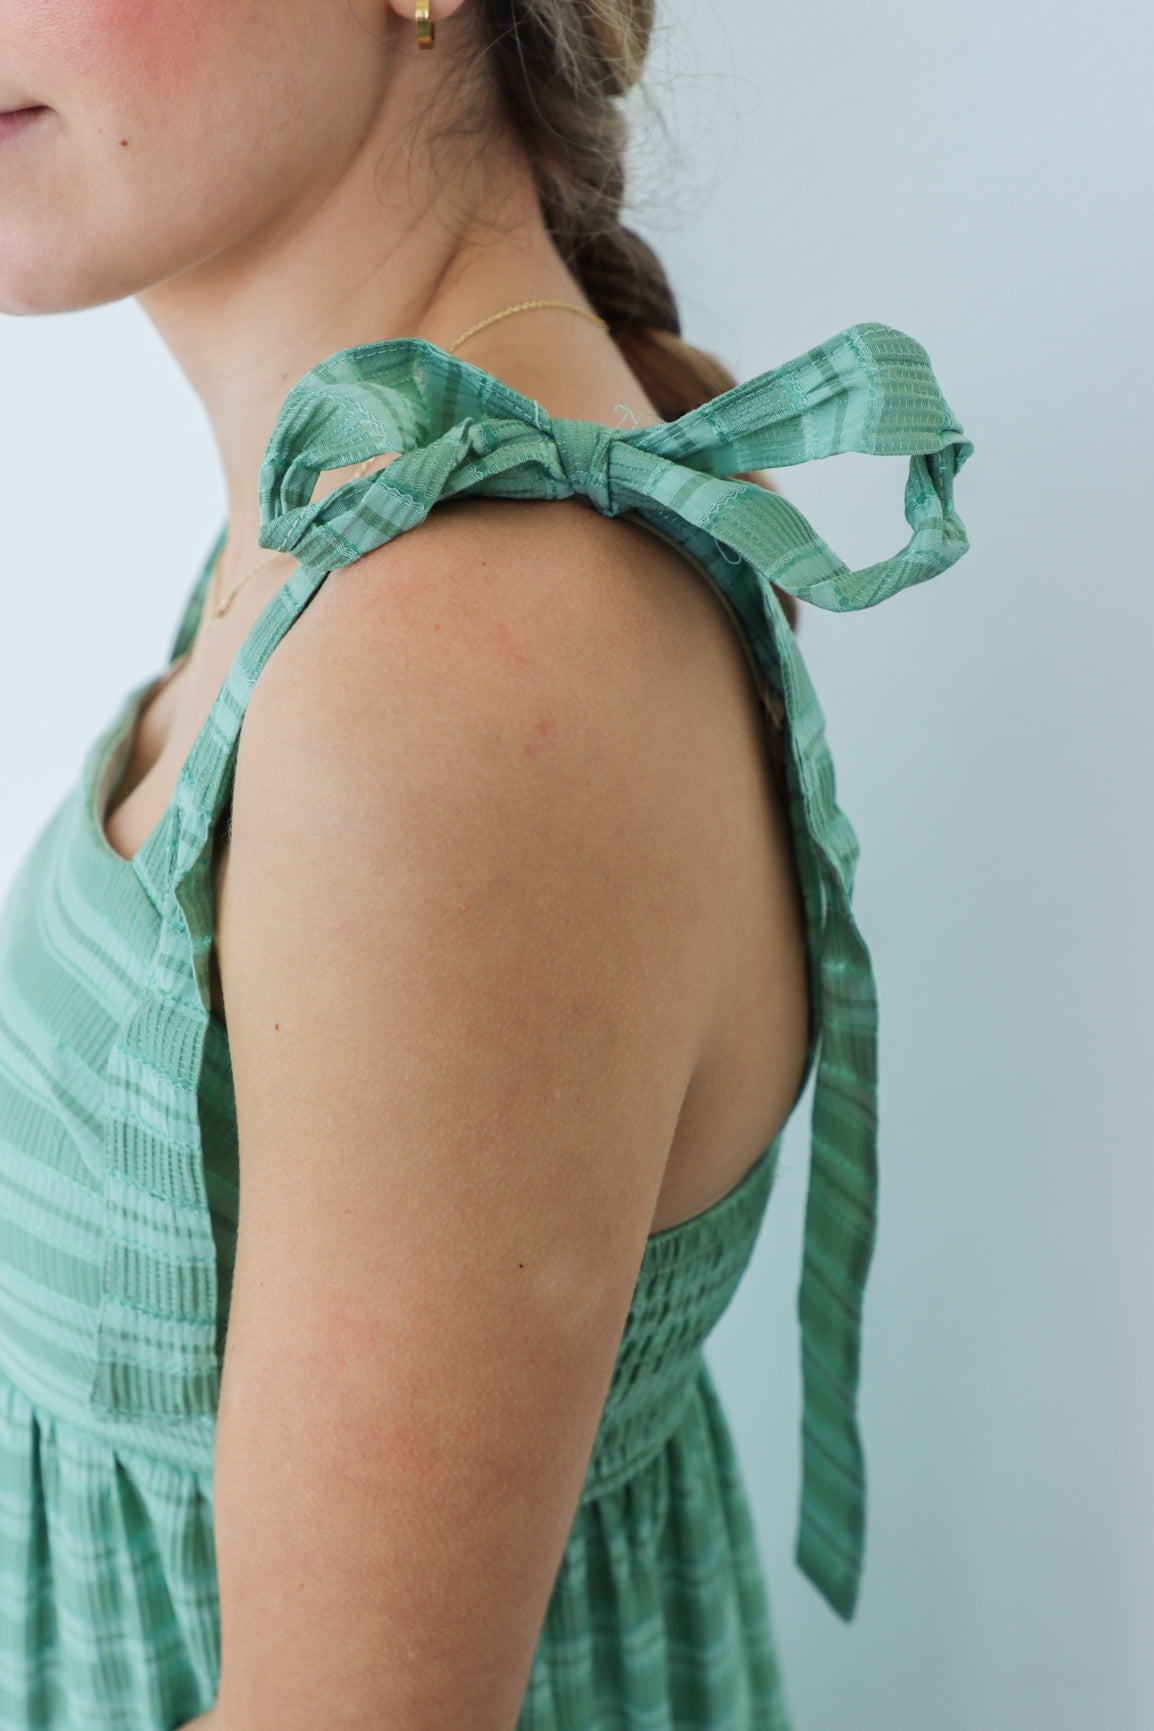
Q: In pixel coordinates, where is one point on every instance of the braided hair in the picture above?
(561, 69)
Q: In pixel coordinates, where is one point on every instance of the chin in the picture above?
(44, 279)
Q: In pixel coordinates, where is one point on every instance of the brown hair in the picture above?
(561, 69)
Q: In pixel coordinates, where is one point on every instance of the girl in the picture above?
(399, 1018)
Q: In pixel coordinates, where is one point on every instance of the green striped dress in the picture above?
(119, 1176)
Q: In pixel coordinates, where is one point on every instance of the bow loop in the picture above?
(870, 389)
(456, 430)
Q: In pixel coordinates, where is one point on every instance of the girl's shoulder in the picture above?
(495, 614)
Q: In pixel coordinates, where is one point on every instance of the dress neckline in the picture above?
(119, 741)
(105, 769)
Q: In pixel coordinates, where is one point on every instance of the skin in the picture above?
(508, 936)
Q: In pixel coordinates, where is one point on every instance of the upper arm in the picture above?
(460, 1038)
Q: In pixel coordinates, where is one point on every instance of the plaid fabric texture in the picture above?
(119, 1180)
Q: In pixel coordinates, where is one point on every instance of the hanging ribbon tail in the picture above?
(870, 390)
(840, 1229)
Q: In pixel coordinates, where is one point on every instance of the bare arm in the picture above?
(465, 982)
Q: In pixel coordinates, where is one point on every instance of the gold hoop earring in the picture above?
(426, 29)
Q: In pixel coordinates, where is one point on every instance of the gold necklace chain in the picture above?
(523, 307)
(220, 608)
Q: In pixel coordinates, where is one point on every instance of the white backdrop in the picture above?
(979, 177)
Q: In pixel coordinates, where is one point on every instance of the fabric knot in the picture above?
(585, 450)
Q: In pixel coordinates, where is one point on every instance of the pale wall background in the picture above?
(979, 177)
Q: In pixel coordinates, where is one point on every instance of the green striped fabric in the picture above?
(119, 1172)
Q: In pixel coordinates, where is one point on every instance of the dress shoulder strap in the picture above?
(457, 431)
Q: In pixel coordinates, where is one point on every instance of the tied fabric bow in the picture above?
(459, 431)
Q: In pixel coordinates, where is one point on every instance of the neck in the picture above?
(355, 266)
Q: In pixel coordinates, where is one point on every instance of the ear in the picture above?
(439, 9)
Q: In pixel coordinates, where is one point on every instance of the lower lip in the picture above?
(18, 121)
